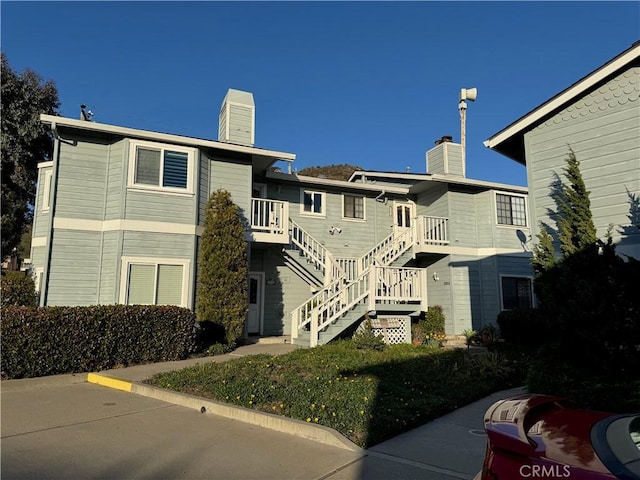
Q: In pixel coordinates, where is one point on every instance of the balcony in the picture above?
(269, 221)
(431, 235)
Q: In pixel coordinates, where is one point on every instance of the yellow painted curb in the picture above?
(109, 382)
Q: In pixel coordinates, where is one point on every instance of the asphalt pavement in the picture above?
(108, 425)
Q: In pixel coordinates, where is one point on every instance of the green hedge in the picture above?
(39, 341)
(18, 289)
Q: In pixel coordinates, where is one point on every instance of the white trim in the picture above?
(162, 137)
(124, 275)
(364, 208)
(191, 154)
(471, 251)
(529, 277)
(564, 97)
(510, 194)
(126, 225)
(48, 164)
(412, 212)
(38, 241)
(323, 201)
(303, 179)
(46, 193)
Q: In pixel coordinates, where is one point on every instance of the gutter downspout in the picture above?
(52, 196)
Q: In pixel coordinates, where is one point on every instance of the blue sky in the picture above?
(367, 83)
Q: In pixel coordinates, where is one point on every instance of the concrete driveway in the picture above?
(64, 427)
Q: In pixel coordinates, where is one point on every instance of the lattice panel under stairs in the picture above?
(394, 328)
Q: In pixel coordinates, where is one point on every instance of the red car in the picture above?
(543, 437)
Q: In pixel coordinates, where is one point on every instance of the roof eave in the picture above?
(503, 141)
(162, 137)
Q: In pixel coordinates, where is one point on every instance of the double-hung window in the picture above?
(46, 193)
(312, 203)
(149, 282)
(161, 167)
(353, 207)
(511, 210)
(516, 293)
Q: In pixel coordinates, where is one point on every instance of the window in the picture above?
(158, 166)
(46, 194)
(516, 293)
(511, 210)
(353, 207)
(312, 203)
(154, 283)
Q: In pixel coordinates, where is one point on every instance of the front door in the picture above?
(254, 316)
(403, 215)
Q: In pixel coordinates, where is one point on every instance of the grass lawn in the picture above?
(369, 396)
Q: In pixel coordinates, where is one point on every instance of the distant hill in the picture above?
(332, 172)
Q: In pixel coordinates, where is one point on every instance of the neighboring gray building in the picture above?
(599, 118)
(119, 212)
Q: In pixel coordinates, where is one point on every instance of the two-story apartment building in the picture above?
(119, 212)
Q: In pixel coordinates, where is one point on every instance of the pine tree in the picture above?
(544, 256)
(223, 269)
(575, 223)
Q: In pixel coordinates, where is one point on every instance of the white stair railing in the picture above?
(315, 253)
(339, 296)
(377, 284)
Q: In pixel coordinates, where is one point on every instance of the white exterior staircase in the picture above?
(353, 286)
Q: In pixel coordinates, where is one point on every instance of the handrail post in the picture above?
(423, 290)
(313, 339)
(295, 324)
(372, 287)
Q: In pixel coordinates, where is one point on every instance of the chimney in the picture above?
(237, 118)
(445, 158)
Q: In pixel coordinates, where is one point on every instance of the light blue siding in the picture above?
(159, 207)
(357, 236)
(235, 177)
(462, 219)
(116, 180)
(40, 218)
(82, 179)
(110, 260)
(75, 268)
(603, 129)
(164, 245)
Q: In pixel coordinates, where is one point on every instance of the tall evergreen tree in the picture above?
(575, 222)
(223, 269)
(25, 142)
(575, 230)
(544, 256)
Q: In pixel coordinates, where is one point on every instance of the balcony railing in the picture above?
(269, 220)
(432, 231)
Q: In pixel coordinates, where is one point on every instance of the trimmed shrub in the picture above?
(39, 341)
(18, 289)
(434, 320)
(523, 326)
